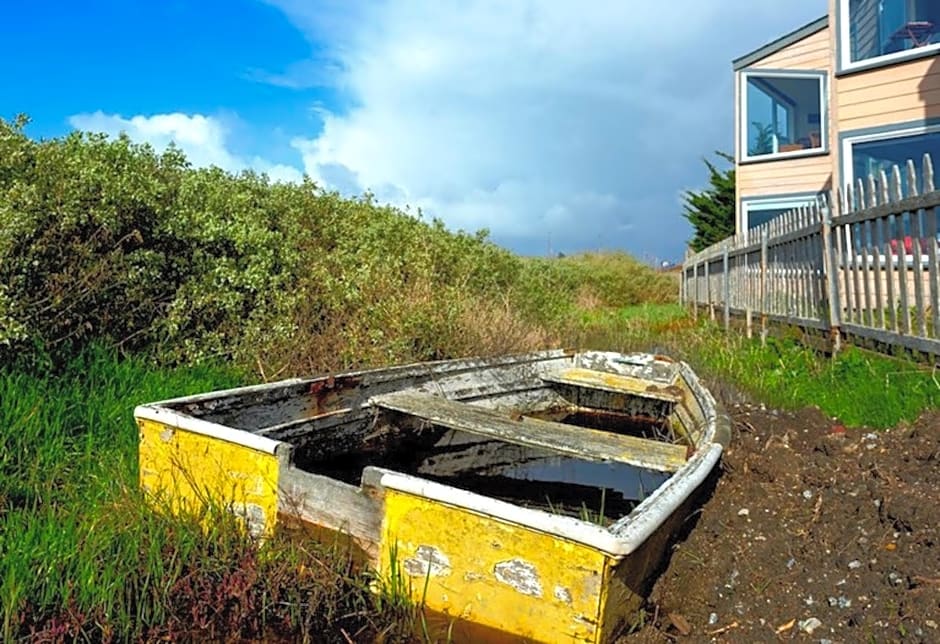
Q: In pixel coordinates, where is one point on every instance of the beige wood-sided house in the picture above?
(838, 99)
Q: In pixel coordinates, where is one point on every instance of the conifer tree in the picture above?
(711, 211)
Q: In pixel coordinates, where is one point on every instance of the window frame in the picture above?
(844, 47)
(883, 134)
(790, 201)
(821, 76)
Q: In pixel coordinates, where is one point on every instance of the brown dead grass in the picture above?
(391, 323)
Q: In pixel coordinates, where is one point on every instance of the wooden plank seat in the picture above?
(615, 383)
(581, 442)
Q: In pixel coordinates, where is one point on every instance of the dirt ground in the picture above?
(814, 533)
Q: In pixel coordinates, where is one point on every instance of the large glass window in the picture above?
(782, 114)
(870, 156)
(890, 27)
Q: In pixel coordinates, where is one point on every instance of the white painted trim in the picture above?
(848, 160)
(845, 47)
(631, 531)
(653, 511)
(174, 419)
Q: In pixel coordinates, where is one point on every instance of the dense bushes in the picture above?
(104, 239)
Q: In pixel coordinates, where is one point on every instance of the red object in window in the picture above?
(909, 245)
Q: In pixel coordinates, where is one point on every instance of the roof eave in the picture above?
(780, 43)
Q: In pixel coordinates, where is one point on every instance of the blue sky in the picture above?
(537, 119)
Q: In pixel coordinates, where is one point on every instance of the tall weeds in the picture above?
(82, 557)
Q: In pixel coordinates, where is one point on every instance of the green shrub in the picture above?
(104, 240)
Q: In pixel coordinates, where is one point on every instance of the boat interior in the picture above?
(572, 434)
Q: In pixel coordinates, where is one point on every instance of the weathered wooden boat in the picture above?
(528, 497)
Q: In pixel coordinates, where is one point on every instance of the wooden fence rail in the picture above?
(860, 262)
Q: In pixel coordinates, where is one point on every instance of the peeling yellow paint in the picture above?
(190, 471)
(500, 577)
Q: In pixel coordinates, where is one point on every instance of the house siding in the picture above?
(803, 174)
(906, 91)
(811, 53)
(900, 93)
(806, 174)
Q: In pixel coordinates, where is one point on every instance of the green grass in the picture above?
(83, 557)
(856, 386)
(859, 387)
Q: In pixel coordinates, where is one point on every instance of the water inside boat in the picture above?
(590, 489)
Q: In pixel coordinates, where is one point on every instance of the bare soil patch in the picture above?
(813, 533)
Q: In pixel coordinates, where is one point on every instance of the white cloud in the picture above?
(532, 117)
(204, 139)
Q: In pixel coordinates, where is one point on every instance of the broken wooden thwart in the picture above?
(526, 496)
(532, 432)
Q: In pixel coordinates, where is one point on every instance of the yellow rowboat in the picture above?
(527, 498)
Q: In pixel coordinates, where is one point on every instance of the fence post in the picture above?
(708, 290)
(695, 291)
(832, 280)
(763, 287)
(682, 284)
(727, 288)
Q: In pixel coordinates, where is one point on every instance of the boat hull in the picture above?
(483, 568)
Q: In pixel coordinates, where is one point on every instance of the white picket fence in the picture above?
(861, 262)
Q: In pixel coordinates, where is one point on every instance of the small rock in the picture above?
(870, 436)
(809, 601)
(825, 641)
(930, 624)
(842, 601)
(807, 494)
(855, 563)
(681, 623)
(743, 512)
(712, 619)
(791, 563)
(895, 578)
(809, 625)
